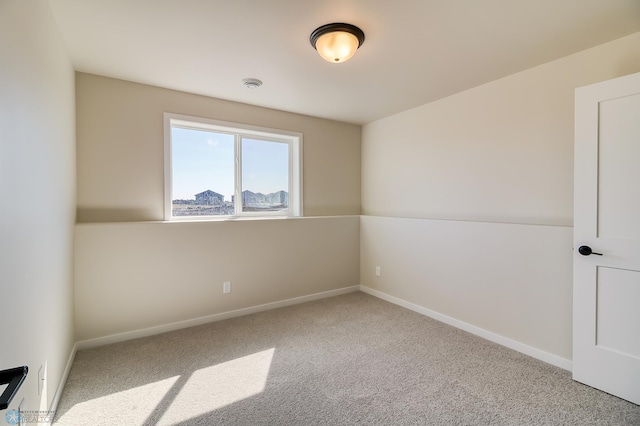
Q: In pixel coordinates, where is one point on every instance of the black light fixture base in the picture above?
(336, 26)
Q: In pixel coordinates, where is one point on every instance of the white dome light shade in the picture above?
(338, 42)
(337, 47)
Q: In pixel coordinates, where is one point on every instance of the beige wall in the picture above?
(512, 280)
(133, 276)
(137, 276)
(120, 149)
(501, 152)
(37, 189)
(498, 153)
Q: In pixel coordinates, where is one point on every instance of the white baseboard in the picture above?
(63, 380)
(129, 335)
(496, 338)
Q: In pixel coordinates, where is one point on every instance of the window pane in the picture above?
(203, 172)
(265, 176)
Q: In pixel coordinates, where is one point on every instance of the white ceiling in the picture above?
(415, 51)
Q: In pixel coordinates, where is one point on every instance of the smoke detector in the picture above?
(251, 83)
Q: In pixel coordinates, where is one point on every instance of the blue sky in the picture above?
(204, 160)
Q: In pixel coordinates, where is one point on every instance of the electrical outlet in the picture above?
(378, 272)
(226, 287)
(22, 420)
(42, 378)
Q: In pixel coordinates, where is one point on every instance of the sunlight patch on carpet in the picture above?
(214, 387)
(136, 404)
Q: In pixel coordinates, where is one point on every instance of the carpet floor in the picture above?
(346, 360)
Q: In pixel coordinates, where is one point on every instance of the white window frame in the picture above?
(293, 139)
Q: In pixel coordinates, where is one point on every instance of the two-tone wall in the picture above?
(137, 275)
(468, 202)
(37, 189)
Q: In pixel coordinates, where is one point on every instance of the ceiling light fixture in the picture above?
(251, 83)
(337, 42)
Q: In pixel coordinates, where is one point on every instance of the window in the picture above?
(215, 169)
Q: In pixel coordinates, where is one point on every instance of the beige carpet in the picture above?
(351, 359)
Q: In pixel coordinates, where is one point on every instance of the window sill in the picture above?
(229, 219)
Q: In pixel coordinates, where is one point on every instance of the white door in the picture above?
(606, 287)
